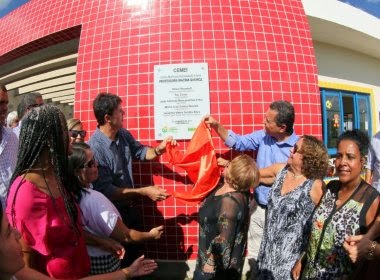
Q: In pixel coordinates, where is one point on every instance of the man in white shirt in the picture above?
(373, 164)
(8, 147)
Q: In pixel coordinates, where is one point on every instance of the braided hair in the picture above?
(44, 128)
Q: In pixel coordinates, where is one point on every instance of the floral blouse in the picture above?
(223, 226)
(326, 257)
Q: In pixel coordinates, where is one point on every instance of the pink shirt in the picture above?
(45, 227)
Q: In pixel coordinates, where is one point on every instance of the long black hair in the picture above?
(44, 128)
(77, 160)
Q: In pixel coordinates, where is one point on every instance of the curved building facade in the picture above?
(257, 52)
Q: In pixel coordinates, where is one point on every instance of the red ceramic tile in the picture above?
(257, 52)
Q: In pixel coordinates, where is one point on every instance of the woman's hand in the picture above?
(140, 267)
(113, 247)
(156, 232)
(155, 193)
(222, 162)
(296, 270)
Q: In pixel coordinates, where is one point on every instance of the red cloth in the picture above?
(200, 163)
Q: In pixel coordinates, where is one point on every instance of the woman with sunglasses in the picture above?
(296, 189)
(348, 207)
(100, 216)
(76, 131)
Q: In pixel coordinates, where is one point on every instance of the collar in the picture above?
(291, 140)
(103, 138)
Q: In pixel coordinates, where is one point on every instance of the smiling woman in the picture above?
(347, 207)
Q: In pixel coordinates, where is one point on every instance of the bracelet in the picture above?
(156, 152)
(126, 273)
(371, 251)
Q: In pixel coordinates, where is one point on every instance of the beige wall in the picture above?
(343, 66)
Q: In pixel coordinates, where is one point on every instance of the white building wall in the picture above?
(343, 66)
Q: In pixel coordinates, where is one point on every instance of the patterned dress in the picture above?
(326, 257)
(285, 229)
(223, 226)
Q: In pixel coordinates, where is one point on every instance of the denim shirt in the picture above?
(269, 151)
(115, 160)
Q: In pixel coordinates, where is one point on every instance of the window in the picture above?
(343, 110)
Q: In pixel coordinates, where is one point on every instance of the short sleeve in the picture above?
(99, 214)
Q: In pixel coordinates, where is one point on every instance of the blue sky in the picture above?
(7, 6)
(369, 6)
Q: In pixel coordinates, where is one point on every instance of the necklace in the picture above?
(293, 175)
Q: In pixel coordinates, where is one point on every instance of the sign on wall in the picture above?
(181, 99)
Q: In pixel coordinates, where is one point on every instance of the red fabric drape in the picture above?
(199, 161)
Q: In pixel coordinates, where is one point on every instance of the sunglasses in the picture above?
(296, 149)
(34, 106)
(90, 163)
(75, 133)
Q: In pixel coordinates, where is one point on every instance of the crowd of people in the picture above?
(68, 208)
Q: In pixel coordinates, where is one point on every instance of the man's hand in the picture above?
(156, 232)
(140, 267)
(161, 148)
(357, 247)
(154, 193)
(210, 121)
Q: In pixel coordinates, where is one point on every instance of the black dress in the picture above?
(223, 226)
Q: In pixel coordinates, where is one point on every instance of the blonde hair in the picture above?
(71, 123)
(243, 173)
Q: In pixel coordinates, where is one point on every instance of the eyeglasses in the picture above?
(75, 133)
(90, 163)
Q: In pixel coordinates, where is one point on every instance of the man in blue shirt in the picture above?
(114, 149)
(273, 145)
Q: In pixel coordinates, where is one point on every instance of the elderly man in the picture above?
(273, 145)
(8, 147)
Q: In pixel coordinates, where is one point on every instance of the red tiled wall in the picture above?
(257, 52)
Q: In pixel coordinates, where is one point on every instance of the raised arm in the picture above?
(217, 126)
(268, 174)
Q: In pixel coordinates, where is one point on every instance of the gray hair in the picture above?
(11, 118)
